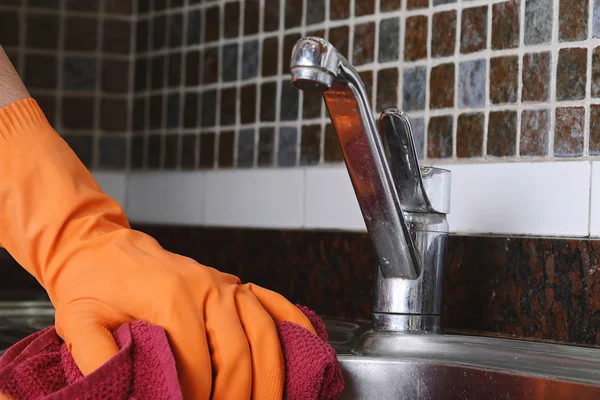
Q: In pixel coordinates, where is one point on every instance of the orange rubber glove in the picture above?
(59, 225)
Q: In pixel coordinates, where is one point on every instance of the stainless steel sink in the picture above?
(440, 366)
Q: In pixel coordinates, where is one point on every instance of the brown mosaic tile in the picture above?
(41, 71)
(413, 4)
(387, 89)
(270, 52)
(211, 65)
(389, 5)
(77, 112)
(505, 25)
(207, 150)
(568, 134)
(469, 135)
(226, 139)
(42, 31)
(439, 137)
(333, 151)
(189, 151)
(171, 150)
(535, 126)
(594, 130)
(443, 33)
(572, 20)
(311, 105)
(153, 151)
(310, 145)
(271, 17)
(251, 12)
(81, 34)
(339, 37)
(364, 7)
(293, 13)
(119, 7)
(228, 106)
(156, 111)
(192, 68)
(174, 78)
(367, 78)
(504, 76)
(115, 39)
(473, 31)
(415, 40)
(596, 72)
(571, 74)
(288, 45)
(502, 134)
(9, 28)
(113, 115)
(268, 92)
(339, 9)
(211, 30)
(232, 18)
(248, 104)
(536, 77)
(441, 86)
(364, 43)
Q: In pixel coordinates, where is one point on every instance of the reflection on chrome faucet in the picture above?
(404, 206)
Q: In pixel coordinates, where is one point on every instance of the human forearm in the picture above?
(11, 86)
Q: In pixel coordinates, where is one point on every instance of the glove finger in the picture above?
(268, 369)
(185, 330)
(231, 361)
(278, 307)
(90, 343)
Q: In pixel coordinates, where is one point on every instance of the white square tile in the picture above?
(113, 184)
(270, 198)
(549, 198)
(166, 197)
(330, 200)
(595, 206)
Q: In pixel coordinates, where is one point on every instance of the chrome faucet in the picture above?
(404, 206)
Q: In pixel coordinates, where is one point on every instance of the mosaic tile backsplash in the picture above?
(200, 84)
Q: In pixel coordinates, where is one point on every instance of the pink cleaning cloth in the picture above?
(41, 367)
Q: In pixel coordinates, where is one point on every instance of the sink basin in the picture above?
(440, 366)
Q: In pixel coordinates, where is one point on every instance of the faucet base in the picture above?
(407, 323)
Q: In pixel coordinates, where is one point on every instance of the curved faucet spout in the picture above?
(317, 66)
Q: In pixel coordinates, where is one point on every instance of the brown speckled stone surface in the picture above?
(535, 125)
(541, 289)
(469, 135)
(594, 130)
(502, 134)
(439, 137)
(572, 20)
(412, 4)
(443, 34)
(568, 136)
(389, 5)
(339, 9)
(505, 25)
(596, 72)
(415, 41)
(571, 74)
(473, 31)
(536, 76)
(364, 43)
(441, 86)
(504, 75)
(387, 89)
(339, 38)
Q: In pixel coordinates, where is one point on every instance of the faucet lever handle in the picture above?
(420, 189)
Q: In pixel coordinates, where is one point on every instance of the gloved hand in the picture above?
(58, 224)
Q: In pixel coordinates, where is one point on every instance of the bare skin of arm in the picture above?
(11, 86)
